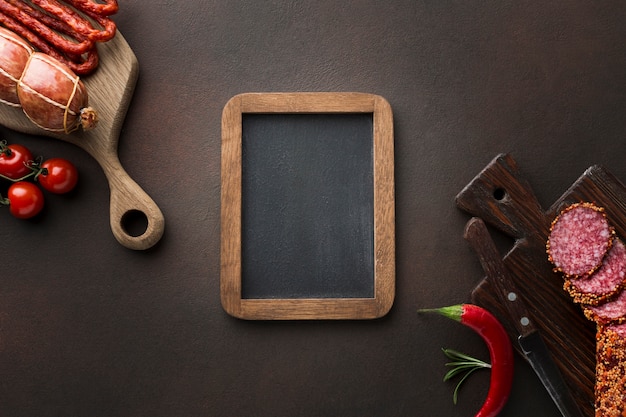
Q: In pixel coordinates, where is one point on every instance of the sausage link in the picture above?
(50, 21)
(51, 36)
(81, 64)
(107, 8)
(66, 15)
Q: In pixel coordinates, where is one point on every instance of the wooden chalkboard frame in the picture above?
(231, 207)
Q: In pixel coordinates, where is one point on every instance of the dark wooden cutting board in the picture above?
(504, 200)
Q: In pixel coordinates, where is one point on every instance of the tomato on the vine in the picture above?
(58, 175)
(14, 160)
(25, 199)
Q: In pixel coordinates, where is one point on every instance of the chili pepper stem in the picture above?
(452, 312)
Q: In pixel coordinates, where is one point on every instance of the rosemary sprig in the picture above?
(461, 364)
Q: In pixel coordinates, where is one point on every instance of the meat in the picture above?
(579, 239)
(14, 55)
(67, 31)
(605, 283)
(612, 312)
(610, 393)
(583, 247)
(53, 97)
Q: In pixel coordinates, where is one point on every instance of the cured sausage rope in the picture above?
(107, 8)
(81, 66)
(63, 30)
(575, 245)
(76, 22)
(54, 38)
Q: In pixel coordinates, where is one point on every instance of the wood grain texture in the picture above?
(502, 198)
(110, 91)
(231, 202)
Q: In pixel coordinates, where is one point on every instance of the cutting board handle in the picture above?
(128, 199)
(502, 198)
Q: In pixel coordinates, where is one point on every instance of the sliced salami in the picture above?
(610, 388)
(611, 312)
(580, 236)
(603, 284)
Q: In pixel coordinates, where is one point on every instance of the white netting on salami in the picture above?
(579, 239)
(607, 281)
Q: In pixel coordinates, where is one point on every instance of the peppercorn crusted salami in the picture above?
(610, 388)
(611, 312)
(605, 283)
(579, 239)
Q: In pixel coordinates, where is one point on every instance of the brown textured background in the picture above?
(89, 328)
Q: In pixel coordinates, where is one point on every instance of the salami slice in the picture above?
(610, 388)
(611, 312)
(603, 284)
(580, 236)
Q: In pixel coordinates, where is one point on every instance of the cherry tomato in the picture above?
(25, 199)
(13, 160)
(59, 175)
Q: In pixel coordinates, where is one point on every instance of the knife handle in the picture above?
(499, 276)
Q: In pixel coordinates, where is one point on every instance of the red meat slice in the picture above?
(603, 284)
(580, 237)
(612, 312)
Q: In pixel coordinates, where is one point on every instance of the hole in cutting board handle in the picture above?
(499, 193)
(134, 222)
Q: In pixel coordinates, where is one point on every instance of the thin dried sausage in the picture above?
(81, 65)
(51, 36)
(107, 8)
(65, 30)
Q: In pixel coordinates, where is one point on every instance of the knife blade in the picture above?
(529, 338)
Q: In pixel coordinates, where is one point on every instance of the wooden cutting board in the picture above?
(110, 90)
(504, 200)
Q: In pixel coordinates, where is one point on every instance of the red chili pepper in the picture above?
(500, 351)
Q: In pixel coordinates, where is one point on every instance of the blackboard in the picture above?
(307, 206)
